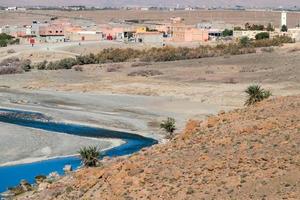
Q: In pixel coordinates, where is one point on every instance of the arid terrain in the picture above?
(191, 17)
(247, 153)
(136, 96)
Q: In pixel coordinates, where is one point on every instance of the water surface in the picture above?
(11, 175)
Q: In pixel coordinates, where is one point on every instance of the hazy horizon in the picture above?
(167, 3)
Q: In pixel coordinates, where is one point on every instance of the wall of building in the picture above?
(84, 36)
(149, 37)
(51, 30)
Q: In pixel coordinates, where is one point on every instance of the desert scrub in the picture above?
(256, 94)
(90, 156)
(168, 125)
(145, 73)
(14, 65)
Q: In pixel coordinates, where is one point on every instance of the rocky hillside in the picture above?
(251, 153)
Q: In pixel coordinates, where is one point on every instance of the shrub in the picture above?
(284, 28)
(9, 61)
(227, 33)
(113, 68)
(267, 49)
(66, 63)
(25, 65)
(77, 68)
(262, 35)
(168, 125)
(9, 70)
(270, 27)
(244, 42)
(256, 94)
(10, 51)
(40, 65)
(3, 43)
(90, 156)
(145, 73)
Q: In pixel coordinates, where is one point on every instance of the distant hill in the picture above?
(173, 3)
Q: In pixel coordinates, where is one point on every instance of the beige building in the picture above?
(294, 33)
(183, 33)
(84, 36)
(149, 37)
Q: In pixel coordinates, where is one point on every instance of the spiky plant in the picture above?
(256, 94)
(90, 156)
(168, 125)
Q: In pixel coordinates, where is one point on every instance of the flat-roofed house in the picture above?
(52, 33)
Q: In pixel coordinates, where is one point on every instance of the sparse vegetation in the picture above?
(40, 65)
(267, 49)
(245, 42)
(145, 73)
(256, 94)
(77, 68)
(14, 65)
(90, 156)
(168, 125)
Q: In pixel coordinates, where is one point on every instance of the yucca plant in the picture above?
(256, 94)
(168, 125)
(90, 156)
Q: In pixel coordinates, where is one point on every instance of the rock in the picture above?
(25, 185)
(68, 168)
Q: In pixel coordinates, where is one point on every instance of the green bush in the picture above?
(168, 125)
(66, 63)
(262, 35)
(284, 28)
(3, 43)
(227, 33)
(256, 94)
(245, 42)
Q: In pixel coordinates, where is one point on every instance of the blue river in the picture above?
(11, 175)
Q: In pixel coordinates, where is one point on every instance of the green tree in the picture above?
(3, 43)
(284, 28)
(168, 125)
(90, 156)
(227, 33)
(256, 94)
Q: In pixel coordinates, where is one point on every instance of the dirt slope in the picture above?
(251, 153)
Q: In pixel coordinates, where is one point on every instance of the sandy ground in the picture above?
(32, 145)
(191, 17)
(186, 89)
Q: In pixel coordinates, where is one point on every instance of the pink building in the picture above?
(52, 30)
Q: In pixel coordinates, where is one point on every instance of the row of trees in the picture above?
(259, 27)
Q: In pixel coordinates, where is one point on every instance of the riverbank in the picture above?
(247, 153)
(37, 145)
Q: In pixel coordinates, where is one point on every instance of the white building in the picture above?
(11, 9)
(294, 33)
(283, 19)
